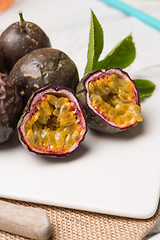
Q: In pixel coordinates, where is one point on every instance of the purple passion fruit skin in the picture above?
(110, 99)
(42, 67)
(2, 67)
(11, 108)
(16, 41)
(53, 123)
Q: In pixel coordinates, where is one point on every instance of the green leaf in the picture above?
(95, 45)
(120, 57)
(145, 87)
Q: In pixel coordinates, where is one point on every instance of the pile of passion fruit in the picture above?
(41, 95)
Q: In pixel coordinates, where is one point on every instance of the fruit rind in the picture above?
(42, 67)
(2, 67)
(14, 44)
(11, 108)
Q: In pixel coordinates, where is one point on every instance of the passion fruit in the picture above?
(19, 39)
(11, 107)
(2, 67)
(111, 100)
(53, 123)
(42, 67)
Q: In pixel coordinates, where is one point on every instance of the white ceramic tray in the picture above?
(114, 174)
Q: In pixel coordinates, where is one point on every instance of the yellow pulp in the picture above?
(53, 125)
(114, 98)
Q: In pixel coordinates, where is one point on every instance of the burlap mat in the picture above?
(74, 225)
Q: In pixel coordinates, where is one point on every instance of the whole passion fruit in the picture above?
(11, 108)
(53, 123)
(42, 67)
(111, 100)
(19, 39)
(2, 67)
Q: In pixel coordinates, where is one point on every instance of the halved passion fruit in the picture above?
(53, 123)
(111, 100)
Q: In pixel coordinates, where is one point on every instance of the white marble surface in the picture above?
(67, 24)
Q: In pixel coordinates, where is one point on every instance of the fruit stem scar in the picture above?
(22, 22)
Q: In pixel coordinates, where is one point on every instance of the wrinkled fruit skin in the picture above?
(10, 108)
(96, 120)
(2, 68)
(53, 123)
(42, 67)
(14, 44)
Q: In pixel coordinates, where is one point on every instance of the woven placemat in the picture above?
(74, 225)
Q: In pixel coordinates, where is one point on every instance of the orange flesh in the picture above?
(54, 125)
(114, 98)
(4, 4)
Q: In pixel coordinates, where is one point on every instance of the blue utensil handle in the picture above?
(134, 12)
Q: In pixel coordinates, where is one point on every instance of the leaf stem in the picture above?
(22, 22)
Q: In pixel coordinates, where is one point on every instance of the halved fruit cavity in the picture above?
(54, 125)
(114, 98)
